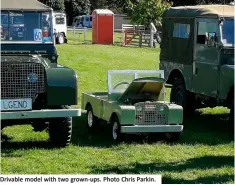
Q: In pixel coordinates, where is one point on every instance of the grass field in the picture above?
(205, 153)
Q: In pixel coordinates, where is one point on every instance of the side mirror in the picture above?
(211, 39)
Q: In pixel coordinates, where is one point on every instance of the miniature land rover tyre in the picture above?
(180, 96)
(60, 130)
(60, 38)
(172, 136)
(116, 129)
(91, 120)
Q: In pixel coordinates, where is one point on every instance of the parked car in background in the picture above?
(59, 25)
(82, 21)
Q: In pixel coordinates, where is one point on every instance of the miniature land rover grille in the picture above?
(21, 80)
(150, 113)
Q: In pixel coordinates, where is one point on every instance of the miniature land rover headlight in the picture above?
(32, 77)
(138, 108)
(161, 108)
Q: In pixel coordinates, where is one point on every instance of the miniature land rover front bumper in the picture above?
(37, 114)
(151, 128)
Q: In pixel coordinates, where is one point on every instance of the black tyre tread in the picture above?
(60, 130)
(189, 103)
(174, 138)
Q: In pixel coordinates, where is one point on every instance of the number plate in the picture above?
(16, 104)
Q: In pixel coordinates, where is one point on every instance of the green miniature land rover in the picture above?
(197, 55)
(34, 88)
(134, 104)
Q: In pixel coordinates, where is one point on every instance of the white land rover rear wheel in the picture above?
(60, 38)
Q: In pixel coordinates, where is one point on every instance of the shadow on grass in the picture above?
(201, 163)
(83, 137)
(201, 129)
(8, 148)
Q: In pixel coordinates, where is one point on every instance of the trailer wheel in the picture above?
(91, 120)
(60, 130)
(116, 129)
(172, 136)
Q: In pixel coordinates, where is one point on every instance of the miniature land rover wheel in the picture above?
(116, 129)
(60, 130)
(91, 120)
(180, 96)
(172, 136)
(60, 38)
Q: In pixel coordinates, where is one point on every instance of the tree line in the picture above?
(140, 11)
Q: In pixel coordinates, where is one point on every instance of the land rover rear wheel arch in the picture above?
(174, 74)
(181, 96)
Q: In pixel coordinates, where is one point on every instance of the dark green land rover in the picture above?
(197, 55)
(34, 88)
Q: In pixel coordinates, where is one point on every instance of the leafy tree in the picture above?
(146, 11)
(196, 2)
(99, 4)
(81, 7)
(55, 4)
(76, 7)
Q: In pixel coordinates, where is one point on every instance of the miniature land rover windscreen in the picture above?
(228, 32)
(139, 84)
(26, 27)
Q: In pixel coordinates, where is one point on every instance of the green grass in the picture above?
(205, 153)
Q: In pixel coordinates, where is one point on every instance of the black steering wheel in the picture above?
(121, 83)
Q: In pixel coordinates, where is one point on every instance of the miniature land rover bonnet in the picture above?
(34, 88)
(134, 104)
